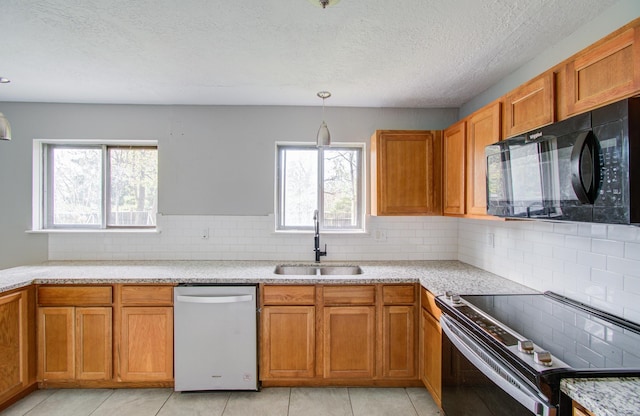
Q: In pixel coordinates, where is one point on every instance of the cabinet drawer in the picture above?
(74, 295)
(144, 295)
(349, 295)
(289, 295)
(398, 294)
(427, 300)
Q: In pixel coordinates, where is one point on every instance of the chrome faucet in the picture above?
(316, 238)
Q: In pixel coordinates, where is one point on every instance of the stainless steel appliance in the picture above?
(506, 354)
(215, 337)
(585, 168)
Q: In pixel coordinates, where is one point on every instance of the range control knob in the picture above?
(448, 294)
(525, 346)
(543, 358)
(455, 299)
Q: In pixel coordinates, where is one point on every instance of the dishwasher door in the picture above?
(215, 338)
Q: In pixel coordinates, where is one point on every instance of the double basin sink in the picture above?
(317, 270)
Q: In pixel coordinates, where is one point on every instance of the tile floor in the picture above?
(280, 401)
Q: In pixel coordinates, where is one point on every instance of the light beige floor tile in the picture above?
(272, 401)
(320, 402)
(423, 402)
(23, 406)
(133, 402)
(195, 404)
(381, 402)
(71, 402)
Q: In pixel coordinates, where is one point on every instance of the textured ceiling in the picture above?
(369, 53)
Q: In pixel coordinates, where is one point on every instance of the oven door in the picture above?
(476, 382)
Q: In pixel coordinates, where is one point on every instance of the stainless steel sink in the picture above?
(340, 270)
(317, 270)
(296, 270)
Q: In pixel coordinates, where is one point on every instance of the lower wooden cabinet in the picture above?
(16, 329)
(430, 347)
(349, 341)
(288, 345)
(146, 344)
(399, 341)
(75, 343)
(339, 335)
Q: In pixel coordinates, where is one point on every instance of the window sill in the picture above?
(322, 232)
(96, 231)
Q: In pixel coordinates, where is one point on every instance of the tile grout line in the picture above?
(350, 402)
(102, 402)
(165, 402)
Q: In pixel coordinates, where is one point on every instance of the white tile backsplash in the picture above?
(253, 238)
(593, 263)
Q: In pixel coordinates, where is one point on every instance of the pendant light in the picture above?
(324, 138)
(5, 127)
(324, 3)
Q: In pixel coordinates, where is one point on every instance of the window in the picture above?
(99, 186)
(329, 179)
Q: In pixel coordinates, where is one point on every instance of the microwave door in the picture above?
(550, 171)
(526, 180)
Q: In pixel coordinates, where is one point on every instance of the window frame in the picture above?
(361, 186)
(42, 195)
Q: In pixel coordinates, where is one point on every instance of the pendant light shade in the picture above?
(324, 137)
(5, 128)
(324, 3)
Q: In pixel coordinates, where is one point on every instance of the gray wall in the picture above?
(612, 19)
(212, 159)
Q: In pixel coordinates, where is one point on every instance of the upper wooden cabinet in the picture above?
(406, 172)
(603, 73)
(454, 147)
(483, 129)
(530, 106)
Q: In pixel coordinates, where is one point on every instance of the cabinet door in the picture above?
(431, 355)
(483, 129)
(398, 342)
(288, 342)
(405, 169)
(454, 169)
(604, 73)
(93, 343)
(530, 106)
(13, 344)
(349, 341)
(146, 344)
(56, 342)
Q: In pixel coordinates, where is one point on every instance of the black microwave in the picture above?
(585, 168)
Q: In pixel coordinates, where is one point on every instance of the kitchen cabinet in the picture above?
(351, 334)
(406, 172)
(399, 336)
(145, 333)
(17, 345)
(349, 317)
(288, 344)
(74, 333)
(530, 106)
(454, 148)
(578, 410)
(430, 346)
(483, 129)
(605, 72)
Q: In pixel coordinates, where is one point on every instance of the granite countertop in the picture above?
(436, 276)
(605, 396)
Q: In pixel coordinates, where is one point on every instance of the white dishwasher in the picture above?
(215, 338)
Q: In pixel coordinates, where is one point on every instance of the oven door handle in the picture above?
(495, 370)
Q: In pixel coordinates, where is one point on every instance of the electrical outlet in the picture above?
(380, 235)
(205, 234)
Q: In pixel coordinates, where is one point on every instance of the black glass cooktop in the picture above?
(581, 338)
